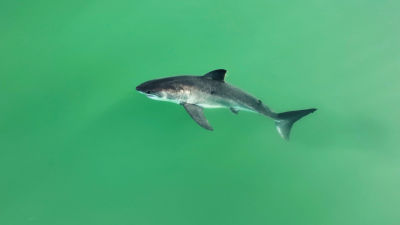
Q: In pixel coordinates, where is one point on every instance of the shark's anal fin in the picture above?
(197, 114)
(236, 111)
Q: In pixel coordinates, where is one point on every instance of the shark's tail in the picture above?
(284, 121)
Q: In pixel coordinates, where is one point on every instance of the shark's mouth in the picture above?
(152, 96)
(147, 94)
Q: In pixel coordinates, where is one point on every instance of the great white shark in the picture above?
(211, 91)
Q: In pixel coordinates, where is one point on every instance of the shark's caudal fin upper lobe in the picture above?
(284, 121)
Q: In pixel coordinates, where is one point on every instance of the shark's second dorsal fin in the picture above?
(216, 75)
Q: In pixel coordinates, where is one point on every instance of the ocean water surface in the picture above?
(79, 145)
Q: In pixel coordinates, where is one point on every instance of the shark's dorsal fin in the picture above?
(196, 112)
(216, 75)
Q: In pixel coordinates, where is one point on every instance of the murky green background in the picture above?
(80, 146)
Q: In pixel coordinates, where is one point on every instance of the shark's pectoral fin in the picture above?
(196, 112)
(236, 111)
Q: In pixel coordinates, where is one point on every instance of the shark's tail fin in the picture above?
(284, 121)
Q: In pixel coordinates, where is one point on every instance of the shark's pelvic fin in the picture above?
(216, 75)
(236, 111)
(284, 121)
(197, 114)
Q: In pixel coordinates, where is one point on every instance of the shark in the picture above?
(210, 90)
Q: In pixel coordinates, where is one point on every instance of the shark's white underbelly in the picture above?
(211, 106)
(208, 101)
(220, 103)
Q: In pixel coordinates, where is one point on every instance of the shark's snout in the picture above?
(142, 88)
(139, 88)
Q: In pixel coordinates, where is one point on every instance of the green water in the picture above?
(80, 146)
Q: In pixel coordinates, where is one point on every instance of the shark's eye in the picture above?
(148, 92)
